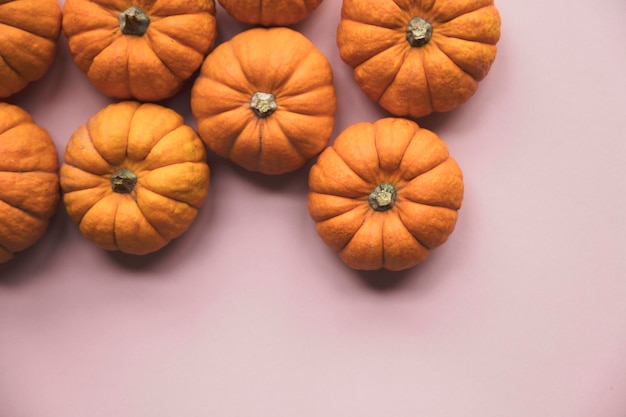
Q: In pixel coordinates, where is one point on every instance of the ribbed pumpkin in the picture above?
(139, 49)
(29, 181)
(265, 100)
(134, 177)
(415, 57)
(270, 12)
(385, 194)
(29, 30)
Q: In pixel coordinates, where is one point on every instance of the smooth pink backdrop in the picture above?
(522, 313)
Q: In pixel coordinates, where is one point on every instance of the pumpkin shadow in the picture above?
(437, 122)
(144, 265)
(160, 260)
(140, 262)
(421, 277)
(383, 280)
(27, 265)
(294, 182)
(23, 267)
(181, 102)
(176, 252)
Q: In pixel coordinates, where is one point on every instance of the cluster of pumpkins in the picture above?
(134, 176)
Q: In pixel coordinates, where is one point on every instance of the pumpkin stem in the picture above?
(263, 104)
(418, 32)
(383, 197)
(123, 181)
(133, 21)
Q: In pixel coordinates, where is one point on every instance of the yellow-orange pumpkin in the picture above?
(385, 194)
(29, 181)
(270, 12)
(140, 49)
(415, 57)
(265, 100)
(134, 177)
(28, 32)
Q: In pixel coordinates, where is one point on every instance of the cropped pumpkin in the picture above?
(139, 49)
(29, 181)
(29, 30)
(416, 57)
(270, 12)
(385, 194)
(134, 177)
(265, 100)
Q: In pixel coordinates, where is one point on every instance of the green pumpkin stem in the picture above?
(418, 32)
(263, 104)
(133, 21)
(383, 197)
(123, 181)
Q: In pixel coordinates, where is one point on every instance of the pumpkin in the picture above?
(265, 100)
(139, 49)
(29, 30)
(415, 57)
(29, 181)
(134, 177)
(269, 12)
(385, 194)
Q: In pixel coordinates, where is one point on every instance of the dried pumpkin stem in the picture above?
(418, 32)
(123, 181)
(383, 197)
(133, 21)
(263, 104)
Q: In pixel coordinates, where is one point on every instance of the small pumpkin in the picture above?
(385, 194)
(29, 181)
(269, 12)
(134, 177)
(416, 57)
(139, 49)
(29, 30)
(265, 100)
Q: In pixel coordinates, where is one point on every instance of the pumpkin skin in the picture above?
(141, 49)
(29, 30)
(269, 12)
(134, 177)
(416, 57)
(265, 100)
(385, 194)
(29, 181)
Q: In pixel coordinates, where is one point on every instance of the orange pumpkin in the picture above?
(29, 30)
(385, 194)
(416, 57)
(269, 12)
(134, 177)
(29, 181)
(265, 100)
(141, 49)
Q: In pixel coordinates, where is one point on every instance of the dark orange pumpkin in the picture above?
(29, 181)
(269, 12)
(385, 194)
(28, 31)
(134, 177)
(415, 57)
(143, 49)
(265, 100)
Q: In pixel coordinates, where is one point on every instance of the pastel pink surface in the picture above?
(521, 313)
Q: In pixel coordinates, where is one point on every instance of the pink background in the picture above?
(522, 313)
